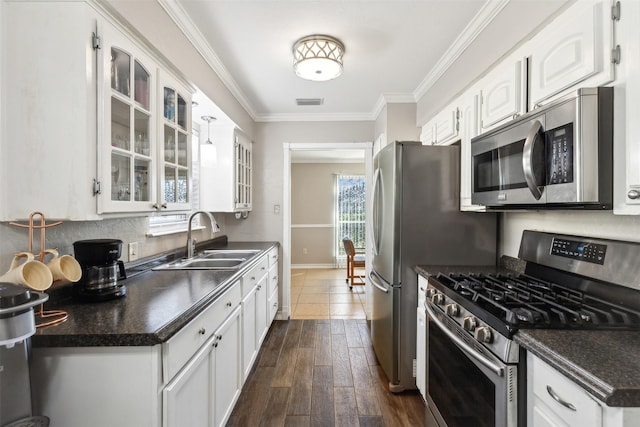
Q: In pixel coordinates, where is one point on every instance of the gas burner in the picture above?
(512, 301)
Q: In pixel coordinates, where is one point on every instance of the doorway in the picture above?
(322, 150)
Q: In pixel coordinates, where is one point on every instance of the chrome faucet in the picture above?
(190, 241)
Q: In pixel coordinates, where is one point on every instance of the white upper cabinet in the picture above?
(469, 128)
(84, 133)
(576, 48)
(626, 195)
(146, 154)
(502, 94)
(442, 129)
(226, 171)
(174, 138)
(49, 107)
(128, 149)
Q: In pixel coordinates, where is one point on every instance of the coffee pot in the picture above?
(102, 269)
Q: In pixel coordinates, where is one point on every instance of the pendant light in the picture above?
(208, 119)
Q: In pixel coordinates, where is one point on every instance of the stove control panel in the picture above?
(582, 251)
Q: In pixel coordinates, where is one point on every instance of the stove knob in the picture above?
(469, 323)
(430, 292)
(483, 334)
(452, 310)
(437, 299)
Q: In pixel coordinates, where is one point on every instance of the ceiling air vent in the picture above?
(303, 102)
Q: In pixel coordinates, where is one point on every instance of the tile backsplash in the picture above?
(16, 239)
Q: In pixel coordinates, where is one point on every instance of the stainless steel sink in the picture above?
(225, 254)
(212, 260)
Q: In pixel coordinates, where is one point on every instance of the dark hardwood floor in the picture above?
(322, 373)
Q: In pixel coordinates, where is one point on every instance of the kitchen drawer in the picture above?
(272, 280)
(558, 401)
(273, 256)
(182, 346)
(251, 278)
(273, 305)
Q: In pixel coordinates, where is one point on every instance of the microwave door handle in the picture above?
(527, 159)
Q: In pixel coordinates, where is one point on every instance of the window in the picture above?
(350, 213)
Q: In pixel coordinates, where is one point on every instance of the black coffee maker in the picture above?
(101, 269)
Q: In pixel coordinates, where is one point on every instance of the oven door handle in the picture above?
(497, 369)
(528, 159)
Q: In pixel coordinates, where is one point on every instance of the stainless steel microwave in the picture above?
(557, 156)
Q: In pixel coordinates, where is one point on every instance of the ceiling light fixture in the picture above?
(208, 119)
(318, 57)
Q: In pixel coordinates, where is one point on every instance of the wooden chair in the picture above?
(355, 259)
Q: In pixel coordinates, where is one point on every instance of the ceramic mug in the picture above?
(64, 269)
(31, 273)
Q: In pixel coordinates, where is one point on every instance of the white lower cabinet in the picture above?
(193, 379)
(227, 381)
(204, 391)
(553, 400)
(421, 339)
(186, 399)
(262, 311)
(249, 338)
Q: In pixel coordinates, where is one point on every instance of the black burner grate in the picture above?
(523, 301)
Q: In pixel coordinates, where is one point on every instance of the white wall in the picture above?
(313, 210)
(263, 223)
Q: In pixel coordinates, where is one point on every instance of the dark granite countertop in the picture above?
(156, 306)
(604, 363)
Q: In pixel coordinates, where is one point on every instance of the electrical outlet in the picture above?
(133, 251)
(304, 251)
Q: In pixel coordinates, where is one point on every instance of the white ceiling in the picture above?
(395, 49)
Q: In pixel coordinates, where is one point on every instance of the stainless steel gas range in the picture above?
(475, 371)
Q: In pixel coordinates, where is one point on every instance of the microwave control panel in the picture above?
(559, 143)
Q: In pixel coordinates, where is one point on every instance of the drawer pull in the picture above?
(229, 304)
(263, 268)
(259, 287)
(253, 278)
(559, 399)
(202, 331)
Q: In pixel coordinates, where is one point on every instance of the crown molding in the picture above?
(392, 98)
(488, 12)
(177, 13)
(479, 22)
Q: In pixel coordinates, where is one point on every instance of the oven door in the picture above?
(466, 384)
(509, 165)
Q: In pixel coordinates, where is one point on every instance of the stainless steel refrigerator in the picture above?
(417, 221)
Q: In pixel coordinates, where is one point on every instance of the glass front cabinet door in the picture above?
(145, 156)
(175, 147)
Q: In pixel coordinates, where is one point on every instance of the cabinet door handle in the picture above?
(202, 331)
(633, 194)
(259, 287)
(558, 399)
(229, 304)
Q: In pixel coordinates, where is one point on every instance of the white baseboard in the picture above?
(312, 266)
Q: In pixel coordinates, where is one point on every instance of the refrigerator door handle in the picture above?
(376, 212)
(375, 281)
